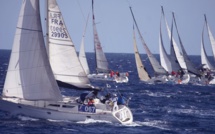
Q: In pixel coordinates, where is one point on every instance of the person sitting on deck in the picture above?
(91, 102)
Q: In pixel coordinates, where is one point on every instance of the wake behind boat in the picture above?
(30, 87)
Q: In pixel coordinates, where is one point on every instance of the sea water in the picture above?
(161, 108)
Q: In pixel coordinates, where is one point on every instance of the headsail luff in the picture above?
(212, 40)
(158, 69)
(82, 55)
(204, 58)
(190, 66)
(29, 75)
(164, 57)
(101, 61)
(63, 58)
(142, 73)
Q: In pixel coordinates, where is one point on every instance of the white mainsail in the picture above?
(62, 54)
(158, 69)
(177, 59)
(164, 57)
(204, 57)
(190, 66)
(101, 61)
(82, 55)
(29, 75)
(142, 73)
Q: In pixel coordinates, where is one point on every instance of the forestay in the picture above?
(29, 75)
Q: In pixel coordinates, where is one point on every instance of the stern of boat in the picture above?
(123, 115)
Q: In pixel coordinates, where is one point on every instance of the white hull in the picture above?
(63, 111)
(107, 77)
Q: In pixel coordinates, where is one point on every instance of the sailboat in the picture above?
(102, 68)
(204, 58)
(141, 70)
(195, 77)
(175, 62)
(160, 72)
(207, 65)
(30, 87)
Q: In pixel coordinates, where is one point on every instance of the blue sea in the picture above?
(162, 108)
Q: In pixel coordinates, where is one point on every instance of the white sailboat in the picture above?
(172, 62)
(141, 70)
(103, 71)
(207, 65)
(30, 87)
(63, 58)
(160, 72)
(204, 57)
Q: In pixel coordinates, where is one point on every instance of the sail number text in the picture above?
(57, 28)
(85, 108)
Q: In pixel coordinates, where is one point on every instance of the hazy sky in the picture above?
(114, 22)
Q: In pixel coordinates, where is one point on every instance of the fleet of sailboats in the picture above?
(36, 70)
(30, 87)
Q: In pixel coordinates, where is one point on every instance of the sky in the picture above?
(114, 22)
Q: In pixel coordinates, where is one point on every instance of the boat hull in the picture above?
(107, 77)
(43, 112)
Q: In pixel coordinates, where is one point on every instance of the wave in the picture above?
(153, 123)
(88, 121)
(26, 118)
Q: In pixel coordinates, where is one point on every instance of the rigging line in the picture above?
(81, 10)
(128, 3)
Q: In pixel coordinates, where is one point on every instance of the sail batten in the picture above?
(29, 74)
